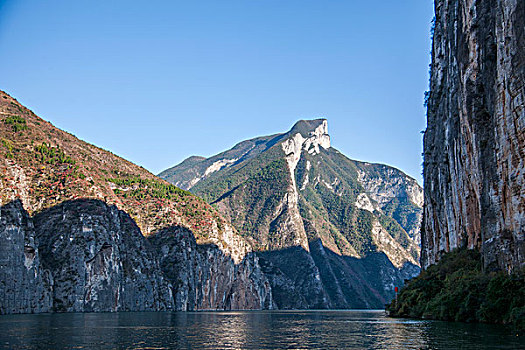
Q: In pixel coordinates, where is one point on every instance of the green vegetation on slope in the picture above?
(9, 148)
(261, 195)
(155, 189)
(45, 153)
(16, 122)
(252, 204)
(398, 233)
(355, 224)
(221, 182)
(404, 212)
(456, 289)
(46, 166)
(156, 199)
(332, 211)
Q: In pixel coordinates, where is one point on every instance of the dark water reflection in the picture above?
(247, 330)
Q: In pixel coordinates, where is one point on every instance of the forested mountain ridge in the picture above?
(294, 192)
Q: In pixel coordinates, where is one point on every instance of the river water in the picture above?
(247, 330)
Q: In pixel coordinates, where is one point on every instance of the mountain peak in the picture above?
(309, 127)
(307, 135)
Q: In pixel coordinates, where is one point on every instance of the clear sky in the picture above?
(158, 81)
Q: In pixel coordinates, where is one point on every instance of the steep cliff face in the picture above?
(99, 260)
(80, 256)
(321, 223)
(25, 286)
(474, 146)
(205, 278)
(87, 256)
(73, 225)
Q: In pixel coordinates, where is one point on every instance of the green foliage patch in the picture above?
(396, 231)
(457, 289)
(48, 154)
(155, 189)
(260, 196)
(403, 211)
(354, 223)
(17, 123)
(221, 182)
(9, 146)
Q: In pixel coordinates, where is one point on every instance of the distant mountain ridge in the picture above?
(195, 168)
(304, 205)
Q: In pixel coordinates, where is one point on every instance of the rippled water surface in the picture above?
(247, 330)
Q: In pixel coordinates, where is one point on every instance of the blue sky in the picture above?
(158, 81)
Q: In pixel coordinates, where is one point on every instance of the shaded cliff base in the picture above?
(87, 256)
(322, 279)
(84, 255)
(457, 289)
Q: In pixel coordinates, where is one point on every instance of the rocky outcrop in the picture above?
(88, 256)
(295, 278)
(99, 260)
(205, 278)
(25, 286)
(474, 145)
(79, 256)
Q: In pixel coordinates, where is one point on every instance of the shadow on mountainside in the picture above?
(321, 279)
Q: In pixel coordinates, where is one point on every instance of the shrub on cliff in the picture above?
(456, 289)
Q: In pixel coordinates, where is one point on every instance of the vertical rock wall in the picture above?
(25, 287)
(474, 146)
(99, 260)
(88, 256)
(205, 278)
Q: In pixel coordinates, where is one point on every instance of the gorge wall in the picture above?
(87, 256)
(474, 145)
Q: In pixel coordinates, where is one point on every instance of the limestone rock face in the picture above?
(205, 278)
(88, 256)
(474, 146)
(25, 286)
(99, 260)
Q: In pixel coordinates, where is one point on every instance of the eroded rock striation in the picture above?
(87, 256)
(474, 145)
(99, 260)
(205, 278)
(25, 286)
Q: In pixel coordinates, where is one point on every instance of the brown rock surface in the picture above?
(474, 146)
